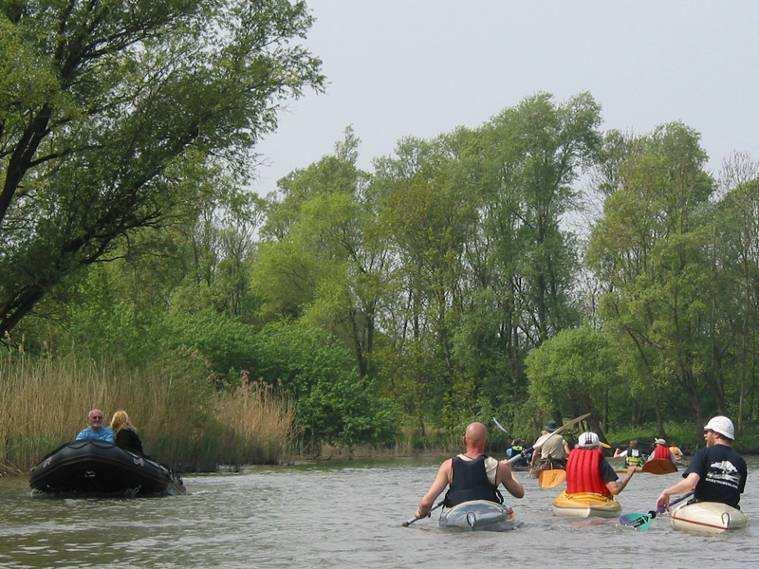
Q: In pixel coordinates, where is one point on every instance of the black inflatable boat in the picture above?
(96, 468)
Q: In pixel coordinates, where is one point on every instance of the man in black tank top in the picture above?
(716, 473)
(471, 475)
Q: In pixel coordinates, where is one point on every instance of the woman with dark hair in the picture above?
(125, 435)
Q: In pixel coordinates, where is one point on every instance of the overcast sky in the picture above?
(422, 67)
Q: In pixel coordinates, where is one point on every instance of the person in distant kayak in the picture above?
(632, 455)
(126, 435)
(677, 453)
(552, 452)
(96, 431)
(588, 470)
(471, 475)
(517, 446)
(661, 451)
(716, 473)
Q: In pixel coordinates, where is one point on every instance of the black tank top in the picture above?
(470, 482)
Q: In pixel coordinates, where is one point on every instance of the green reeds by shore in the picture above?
(181, 419)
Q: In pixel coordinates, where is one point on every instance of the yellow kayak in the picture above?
(585, 505)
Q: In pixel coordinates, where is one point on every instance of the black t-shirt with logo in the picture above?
(723, 475)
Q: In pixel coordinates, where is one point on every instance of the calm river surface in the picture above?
(343, 516)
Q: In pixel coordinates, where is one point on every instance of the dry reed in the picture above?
(181, 420)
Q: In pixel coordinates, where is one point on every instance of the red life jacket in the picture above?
(661, 451)
(584, 472)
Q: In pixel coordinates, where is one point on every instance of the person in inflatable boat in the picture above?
(126, 436)
(588, 470)
(96, 431)
(716, 473)
(471, 475)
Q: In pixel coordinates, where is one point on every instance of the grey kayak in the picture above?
(479, 515)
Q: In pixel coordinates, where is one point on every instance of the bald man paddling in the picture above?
(471, 475)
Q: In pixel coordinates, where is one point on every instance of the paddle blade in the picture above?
(637, 520)
(659, 466)
(551, 478)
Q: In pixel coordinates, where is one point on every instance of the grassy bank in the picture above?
(181, 419)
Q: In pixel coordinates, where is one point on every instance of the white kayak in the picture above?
(708, 517)
(480, 515)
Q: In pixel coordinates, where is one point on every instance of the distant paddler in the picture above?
(716, 473)
(471, 475)
(677, 453)
(517, 447)
(661, 451)
(549, 452)
(632, 454)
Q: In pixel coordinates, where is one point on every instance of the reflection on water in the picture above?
(340, 517)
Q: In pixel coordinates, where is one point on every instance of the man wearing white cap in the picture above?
(588, 470)
(716, 473)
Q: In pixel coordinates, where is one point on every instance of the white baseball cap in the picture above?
(660, 442)
(588, 440)
(722, 425)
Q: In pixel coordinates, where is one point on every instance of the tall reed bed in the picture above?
(181, 419)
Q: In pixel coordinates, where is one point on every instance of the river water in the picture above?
(343, 516)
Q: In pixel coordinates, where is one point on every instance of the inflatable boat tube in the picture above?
(96, 468)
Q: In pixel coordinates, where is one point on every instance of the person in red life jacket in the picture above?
(471, 476)
(661, 451)
(716, 473)
(588, 470)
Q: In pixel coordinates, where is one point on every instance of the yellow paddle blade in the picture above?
(551, 478)
(659, 466)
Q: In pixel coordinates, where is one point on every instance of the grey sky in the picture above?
(397, 68)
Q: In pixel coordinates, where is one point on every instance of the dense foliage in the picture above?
(441, 285)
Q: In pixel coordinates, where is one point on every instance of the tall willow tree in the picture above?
(324, 258)
(651, 248)
(105, 105)
(475, 219)
(734, 303)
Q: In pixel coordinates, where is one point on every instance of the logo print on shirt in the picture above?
(724, 473)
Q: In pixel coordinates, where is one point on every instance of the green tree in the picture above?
(105, 106)
(734, 301)
(324, 259)
(650, 247)
(575, 372)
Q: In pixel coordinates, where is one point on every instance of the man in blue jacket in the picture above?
(96, 431)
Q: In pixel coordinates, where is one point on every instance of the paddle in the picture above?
(640, 520)
(542, 438)
(554, 477)
(407, 523)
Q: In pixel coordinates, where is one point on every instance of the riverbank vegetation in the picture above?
(533, 266)
(180, 417)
